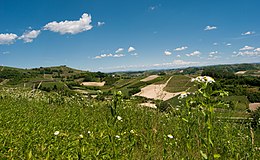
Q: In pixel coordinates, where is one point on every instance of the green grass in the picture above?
(179, 83)
(30, 118)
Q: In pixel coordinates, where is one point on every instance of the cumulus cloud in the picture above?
(181, 48)
(246, 48)
(108, 55)
(100, 24)
(257, 50)
(167, 53)
(195, 53)
(7, 38)
(70, 27)
(248, 53)
(28, 36)
(215, 44)
(208, 28)
(248, 33)
(131, 49)
(119, 50)
(118, 55)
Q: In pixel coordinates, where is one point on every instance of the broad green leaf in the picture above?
(217, 156)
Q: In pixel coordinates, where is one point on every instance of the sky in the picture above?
(124, 35)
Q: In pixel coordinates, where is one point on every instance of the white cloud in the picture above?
(214, 52)
(257, 50)
(215, 44)
(119, 50)
(131, 49)
(248, 53)
(70, 27)
(109, 55)
(212, 55)
(248, 33)
(246, 48)
(118, 55)
(181, 48)
(167, 53)
(103, 56)
(7, 38)
(28, 36)
(178, 56)
(100, 24)
(134, 54)
(195, 53)
(208, 28)
(228, 44)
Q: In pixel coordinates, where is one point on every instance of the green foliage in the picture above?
(256, 119)
(41, 125)
(179, 83)
(254, 97)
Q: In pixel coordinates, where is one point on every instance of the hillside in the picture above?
(57, 116)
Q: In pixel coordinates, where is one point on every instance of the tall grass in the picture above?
(36, 125)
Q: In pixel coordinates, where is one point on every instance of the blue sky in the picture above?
(128, 34)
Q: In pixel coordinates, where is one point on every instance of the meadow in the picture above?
(39, 125)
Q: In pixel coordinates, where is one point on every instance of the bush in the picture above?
(256, 119)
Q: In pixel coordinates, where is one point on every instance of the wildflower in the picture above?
(183, 95)
(56, 133)
(117, 136)
(118, 93)
(170, 136)
(119, 118)
(132, 131)
(81, 136)
(89, 132)
(203, 79)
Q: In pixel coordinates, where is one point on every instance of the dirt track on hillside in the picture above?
(155, 91)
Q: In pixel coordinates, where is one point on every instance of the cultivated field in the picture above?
(179, 83)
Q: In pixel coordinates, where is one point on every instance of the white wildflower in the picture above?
(89, 132)
(170, 136)
(203, 79)
(56, 133)
(119, 118)
(81, 136)
(183, 95)
(117, 136)
(132, 131)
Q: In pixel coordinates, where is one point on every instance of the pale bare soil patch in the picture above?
(148, 104)
(240, 72)
(155, 91)
(94, 84)
(149, 78)
(254, 106)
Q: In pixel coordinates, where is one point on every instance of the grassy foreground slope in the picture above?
(86, 130)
